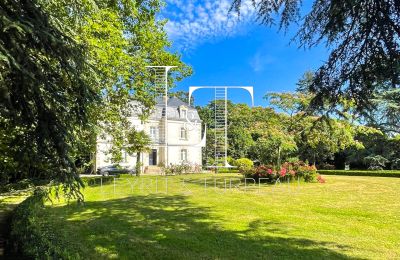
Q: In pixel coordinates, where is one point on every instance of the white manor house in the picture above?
(176, 138)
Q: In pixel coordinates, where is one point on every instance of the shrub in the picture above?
(244, 165)
(264, 172)
(30, 236)
(361, 173)
(320, 179)
(183, 168)
(231, 161)
(288, 171)
(396, 164)
(376, 162)
(309, 173)
(326, 166)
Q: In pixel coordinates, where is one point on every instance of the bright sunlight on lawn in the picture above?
(345, 217)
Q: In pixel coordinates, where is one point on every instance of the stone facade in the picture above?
(180, 141)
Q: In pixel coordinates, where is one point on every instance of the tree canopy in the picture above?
(363, 37)
(70, 70)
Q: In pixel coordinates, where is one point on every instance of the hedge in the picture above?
(31, 237)
(98, 180)
(361, 173)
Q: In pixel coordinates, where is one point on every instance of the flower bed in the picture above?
(287, 172)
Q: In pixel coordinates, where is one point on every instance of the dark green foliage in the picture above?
(364, 41)
(23, 185)
(383, 173)
(384, 112)
(33, 238)
(44, 95)
(376, 162)
(137, 142)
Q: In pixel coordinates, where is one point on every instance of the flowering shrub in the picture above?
(265, 172)
(308, 173)
(320, 179)
(288, 171)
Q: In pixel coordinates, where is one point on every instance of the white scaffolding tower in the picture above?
(221, 121)
(161, 95)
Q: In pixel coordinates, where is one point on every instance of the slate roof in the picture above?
(172, 102)
(173, 110)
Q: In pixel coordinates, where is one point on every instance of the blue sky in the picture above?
(226, 50)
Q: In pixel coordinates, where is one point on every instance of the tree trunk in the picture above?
(138, 164)
(314, 159)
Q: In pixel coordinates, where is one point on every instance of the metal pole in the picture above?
(226, 126)
(166, 117)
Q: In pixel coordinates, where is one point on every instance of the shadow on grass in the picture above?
(170, 227)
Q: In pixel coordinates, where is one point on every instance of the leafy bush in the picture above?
(288, 171)
(308, 173)
(361, 173)
(183, 168)
(30, 236)
(244, 164)
(231, 161)
(396, 164)
(326, 166)
(376, 162)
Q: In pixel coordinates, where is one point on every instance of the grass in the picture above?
(347, 217)
(383, 173)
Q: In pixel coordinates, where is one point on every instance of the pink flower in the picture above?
(283, 172)
(269, 171)
(292, 172)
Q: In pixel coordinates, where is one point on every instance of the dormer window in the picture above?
(182, 112)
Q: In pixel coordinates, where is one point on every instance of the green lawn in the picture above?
(347, 217)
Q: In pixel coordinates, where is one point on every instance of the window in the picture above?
(124, 156)
(184, 155)
(184, 113)
(153, 133)
(184, 133)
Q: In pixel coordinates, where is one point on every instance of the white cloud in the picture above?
(260, 60)
(192, 22)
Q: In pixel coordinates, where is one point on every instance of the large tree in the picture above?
(46, 95)
(67, 66)
(363, 36)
